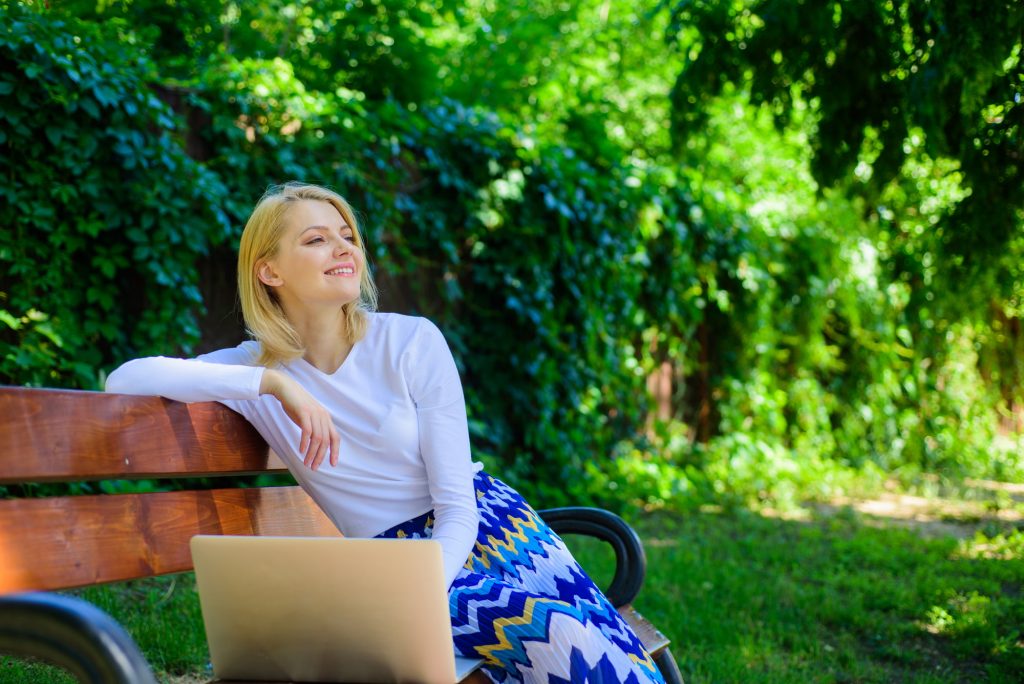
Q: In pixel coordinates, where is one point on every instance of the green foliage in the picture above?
(105, 213)
(879, 74)
(548, 326)
(511, 165)
(379, 47)
(582, 72)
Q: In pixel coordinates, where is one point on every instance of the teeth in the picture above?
(341, 271)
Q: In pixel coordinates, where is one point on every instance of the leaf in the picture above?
(104, 96)
(12, 322)
(90, 107)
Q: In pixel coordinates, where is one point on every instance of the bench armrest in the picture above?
(630, 560)
(73, 634)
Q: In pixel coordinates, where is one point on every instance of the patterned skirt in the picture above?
(524, 605)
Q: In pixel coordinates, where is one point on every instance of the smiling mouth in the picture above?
(343, 271)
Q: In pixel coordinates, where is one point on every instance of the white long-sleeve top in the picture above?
(397, 404)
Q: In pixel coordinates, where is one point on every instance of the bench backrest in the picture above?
(74, 436)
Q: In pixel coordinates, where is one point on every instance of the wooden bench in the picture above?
(56, 543)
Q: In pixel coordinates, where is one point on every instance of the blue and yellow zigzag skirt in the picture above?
(524, 605)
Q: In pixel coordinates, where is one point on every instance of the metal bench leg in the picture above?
(72, 634)
(668, 668)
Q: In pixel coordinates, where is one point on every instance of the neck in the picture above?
(323, 334)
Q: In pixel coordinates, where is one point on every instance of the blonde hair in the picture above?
(264, 317)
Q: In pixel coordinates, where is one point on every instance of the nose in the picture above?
(342, 247)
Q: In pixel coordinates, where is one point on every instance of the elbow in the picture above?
(120, 380)
(114, 382)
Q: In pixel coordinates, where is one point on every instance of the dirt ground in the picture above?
(981, 505)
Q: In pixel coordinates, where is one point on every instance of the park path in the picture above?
(984, 505)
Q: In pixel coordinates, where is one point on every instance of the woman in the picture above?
(367, 410)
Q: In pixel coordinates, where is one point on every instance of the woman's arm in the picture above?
(226, 376)
(190, 379)
(444, 444)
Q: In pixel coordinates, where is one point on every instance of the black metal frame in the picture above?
(72, 634)
(630, 560)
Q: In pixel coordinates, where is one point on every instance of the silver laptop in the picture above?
(326, 609)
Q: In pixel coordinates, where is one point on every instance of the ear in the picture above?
(267, 275)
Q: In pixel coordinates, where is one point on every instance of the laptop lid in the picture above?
(324, 609)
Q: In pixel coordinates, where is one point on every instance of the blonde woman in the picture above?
(367, 410)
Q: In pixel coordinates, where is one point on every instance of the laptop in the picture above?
(326, 609)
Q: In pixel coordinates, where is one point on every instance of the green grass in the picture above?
(749, 598)
(161, 614)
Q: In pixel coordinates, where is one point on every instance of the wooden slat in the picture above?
(653, 640)
(66, 542)
(55, 435)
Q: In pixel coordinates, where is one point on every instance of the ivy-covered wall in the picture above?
(528, 256)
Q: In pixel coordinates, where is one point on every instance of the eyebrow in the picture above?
(343, 227)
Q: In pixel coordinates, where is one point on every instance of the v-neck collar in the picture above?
(348, 358)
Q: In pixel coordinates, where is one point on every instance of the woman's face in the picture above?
(317, 261)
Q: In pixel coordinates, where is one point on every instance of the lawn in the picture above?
(826, 594)
(749, 598)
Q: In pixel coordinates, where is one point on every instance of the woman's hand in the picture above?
(319, 437)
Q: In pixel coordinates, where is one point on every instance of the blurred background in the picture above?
(759, 250)
(692, 256)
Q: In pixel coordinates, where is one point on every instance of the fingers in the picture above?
(323, 441)
(315, 454)
(335, 445)
(307, 433)
(316, 442)
(322, 446)
(318, 437)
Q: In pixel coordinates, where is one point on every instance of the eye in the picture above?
(315, 240)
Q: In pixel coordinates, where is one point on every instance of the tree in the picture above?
(378, 47)
(879, 74)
